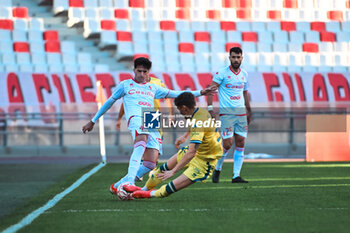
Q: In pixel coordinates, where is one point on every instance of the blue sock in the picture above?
(146, 167)
(238, 161)
(135, 159)
(220, 162)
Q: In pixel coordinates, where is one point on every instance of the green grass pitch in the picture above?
(280, 197)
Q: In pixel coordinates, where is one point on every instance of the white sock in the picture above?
(135, 159)
(220, 162)
(153, 193)
(238, 161)
(146, 167)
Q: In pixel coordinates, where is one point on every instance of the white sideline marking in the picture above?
(187, 210)
(294, 179)
(36, 213)
(273, 186)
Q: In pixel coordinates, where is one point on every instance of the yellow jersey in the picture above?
(206, 135)
(159, 83)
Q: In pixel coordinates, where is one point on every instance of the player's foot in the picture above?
(216, 176)
(112, 189)
(141, 194)
(130, 188)
(239, 179)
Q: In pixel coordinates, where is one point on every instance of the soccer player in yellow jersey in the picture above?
(199, 158)
(149, 160)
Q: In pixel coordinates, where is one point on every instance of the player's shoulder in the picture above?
(202, 114)
(155, 80)
(244, 72)
(222, 71)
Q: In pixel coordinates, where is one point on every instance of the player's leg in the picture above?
(150, 158)
(238, 155)
(227, 141)
(153, 181)
(179, 183)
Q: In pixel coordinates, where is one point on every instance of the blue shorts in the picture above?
(154, 140)
(231, 124)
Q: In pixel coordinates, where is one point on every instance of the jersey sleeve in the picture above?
(218, 78)
(119, 91)
(197, 135)
(246, 84)
(166, 93)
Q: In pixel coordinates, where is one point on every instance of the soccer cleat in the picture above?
(113, 190)
(130, 188)
(216, 176)
(239, 179)
(141, 194)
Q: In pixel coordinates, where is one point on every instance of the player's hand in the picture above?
(179, 141)
(165, 175)
(88, 127)
(209, 90)
(117, 125)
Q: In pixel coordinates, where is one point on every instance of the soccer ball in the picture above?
(122, 194)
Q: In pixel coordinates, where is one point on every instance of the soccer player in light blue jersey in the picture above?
(138, 93)
(235, 112)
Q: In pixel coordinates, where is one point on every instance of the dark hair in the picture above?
(237, 50)
(187, 99)
(143, 61)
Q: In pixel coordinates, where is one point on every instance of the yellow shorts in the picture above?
(198, 169)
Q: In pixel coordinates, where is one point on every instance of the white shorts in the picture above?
(231, 124)
(154, 141)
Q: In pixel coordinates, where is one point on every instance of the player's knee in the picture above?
(227, 146)
(149, 164)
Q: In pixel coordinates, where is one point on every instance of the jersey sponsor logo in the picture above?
(231, 86)
(237, 97)
(146, 93)
(142, 103)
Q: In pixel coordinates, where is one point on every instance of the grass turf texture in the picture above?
(281, 197)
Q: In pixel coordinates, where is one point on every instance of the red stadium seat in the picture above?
(290, 3)
(124, 36)
(348, 3)
(140, 55)
(274, 15)
(182, 13)
(244, 3)
(167, 25)
(51, 35)
(244, 14)
(20, 12)
(76, 3)
(183, 3)
(137, 3)
(327, 36)
(213, 14)
(52, 46)
(227, 25)
(250, 36)
(202, 36)
(335, 15)
(228, 46)
(6, 24)
(310, 47)
(288, 26)
(21, 47)
(186, 48)
(121, 13)
(318, 26)
(108, 24)
(229, 3)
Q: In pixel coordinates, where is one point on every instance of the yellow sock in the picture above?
(153, 181)
(165, 190)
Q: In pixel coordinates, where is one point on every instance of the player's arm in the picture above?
(180, 140)
(182, 163)
(210, 99)
(247, 106)
(117, 94)
(120, 116)
(166, 93)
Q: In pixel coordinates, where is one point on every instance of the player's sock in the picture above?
(135, 159)
(220, 162)
(165, 190)
(238, 161)
(153, 181)
(146, 167)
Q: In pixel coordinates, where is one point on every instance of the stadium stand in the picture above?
(288, 34)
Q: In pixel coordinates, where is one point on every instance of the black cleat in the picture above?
(239, 179)
(216, 176)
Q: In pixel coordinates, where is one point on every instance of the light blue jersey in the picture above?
(232, 85)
